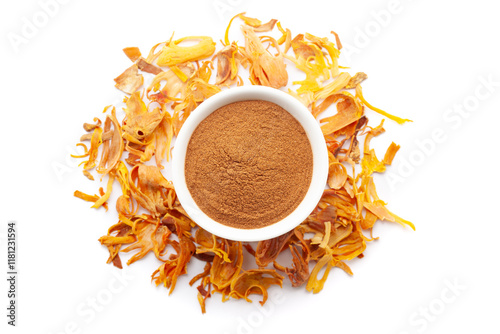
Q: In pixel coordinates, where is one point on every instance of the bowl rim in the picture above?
(320, 162)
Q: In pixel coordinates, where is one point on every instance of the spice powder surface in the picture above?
(248, 164)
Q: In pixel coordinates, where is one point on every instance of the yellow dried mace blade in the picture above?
(150, 237)
(255, 281)
(257, 24)
(228, 61)
(268, 250)
(265, 69)
(144, 66)
(225, 271)
(133, 53)
(113, 148)
(172, 53)
(348, 112)
(298, 274)
(151, 218)
(356, 80)
(209, 243)
(130, 80)
(337, 175)
(399, 120)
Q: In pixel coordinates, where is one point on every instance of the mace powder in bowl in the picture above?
(248, 164)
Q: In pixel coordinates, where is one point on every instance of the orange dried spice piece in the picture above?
(150, 217)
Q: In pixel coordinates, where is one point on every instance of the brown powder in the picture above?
(248, 164)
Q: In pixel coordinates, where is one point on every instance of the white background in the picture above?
(423, 59)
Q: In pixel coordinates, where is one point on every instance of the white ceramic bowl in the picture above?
(320, 162)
